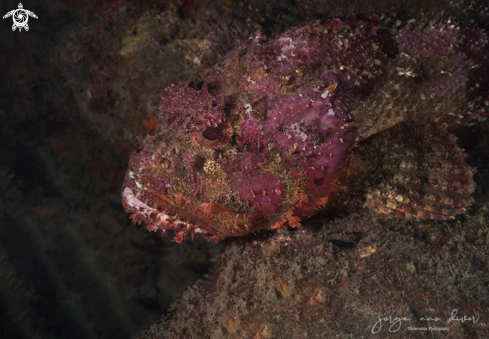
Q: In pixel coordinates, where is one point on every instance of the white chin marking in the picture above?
(135, 202)
(145, 210)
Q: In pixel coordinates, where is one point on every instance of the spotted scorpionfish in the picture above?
(340, 113)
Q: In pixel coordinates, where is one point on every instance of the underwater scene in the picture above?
(244, 169)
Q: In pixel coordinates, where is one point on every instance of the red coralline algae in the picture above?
(339, 280)
(262, 141)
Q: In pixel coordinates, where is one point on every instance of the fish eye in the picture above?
(211, 130)
(212, 133)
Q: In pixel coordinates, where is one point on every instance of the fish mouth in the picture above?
(183, 216)
(149, 206)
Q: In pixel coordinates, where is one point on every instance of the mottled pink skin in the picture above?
(282, 110)
(258, 144)
(442, 41)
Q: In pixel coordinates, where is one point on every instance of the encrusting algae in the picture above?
(358, 109)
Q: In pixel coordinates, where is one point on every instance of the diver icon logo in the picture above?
(20, 16)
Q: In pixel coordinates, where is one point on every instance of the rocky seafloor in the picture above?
(75, 91)
(356, 277)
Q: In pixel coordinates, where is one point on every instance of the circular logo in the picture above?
(20, 17)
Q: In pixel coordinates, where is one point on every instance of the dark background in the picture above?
(72, 265)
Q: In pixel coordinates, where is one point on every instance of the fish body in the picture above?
(345, 113)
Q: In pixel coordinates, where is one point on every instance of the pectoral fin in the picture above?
(412, 170)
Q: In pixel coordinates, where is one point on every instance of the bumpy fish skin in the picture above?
(259, 143)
